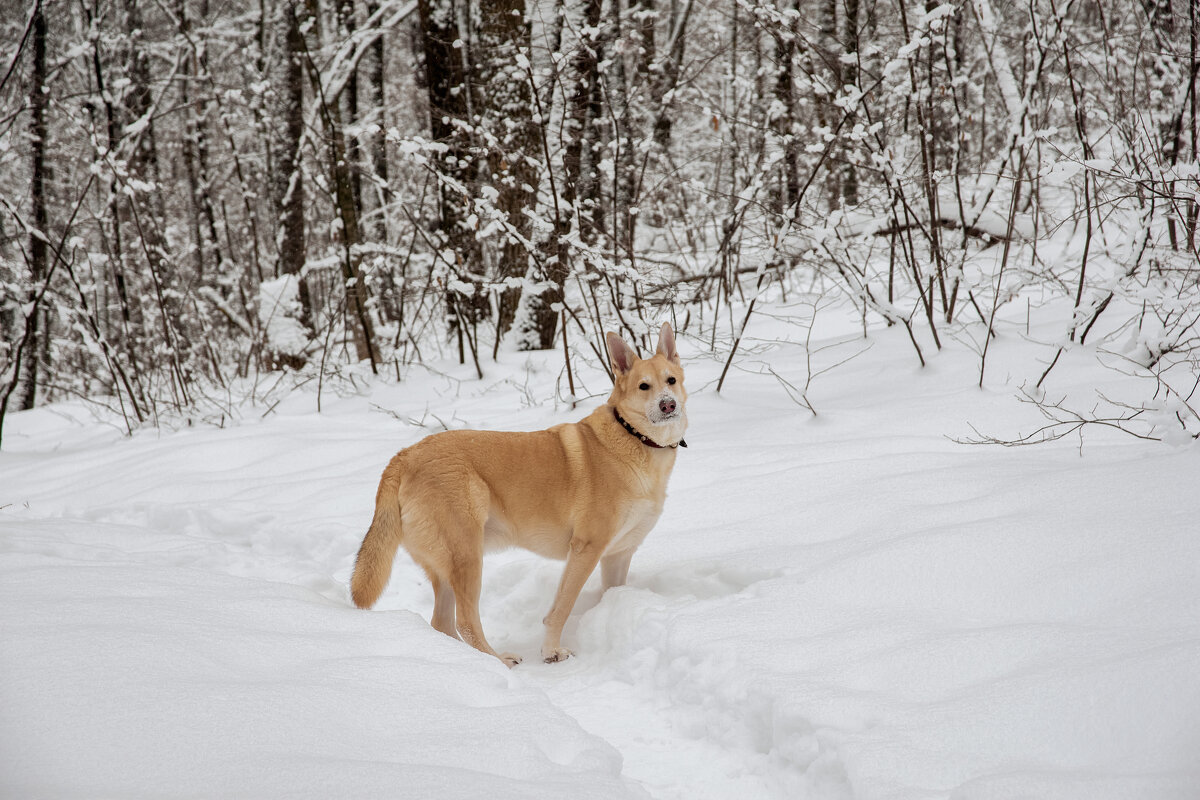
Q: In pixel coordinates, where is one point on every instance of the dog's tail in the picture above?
(373, 566)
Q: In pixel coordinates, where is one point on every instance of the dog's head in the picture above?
(648, 392)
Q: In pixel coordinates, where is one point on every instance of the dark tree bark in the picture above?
(581, 206)
(288, 178)
(831, 78)
(144, 211)
(786, 190)
(505, 104)
(580, 187)
(663, 79)
(619, 101)
(849, 78)
(342, 184)
(449, 99)
(666, 78)
(375, 151)
(28, 359)
(128, 332)
(195, 146)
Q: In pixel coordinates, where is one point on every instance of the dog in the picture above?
(586, 492)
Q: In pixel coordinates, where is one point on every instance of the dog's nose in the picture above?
(666, 405)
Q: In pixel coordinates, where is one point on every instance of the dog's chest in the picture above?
(638, 521)
(644, 508)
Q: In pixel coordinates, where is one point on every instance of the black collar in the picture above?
(641, 437)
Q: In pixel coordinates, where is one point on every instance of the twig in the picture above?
(742, 328)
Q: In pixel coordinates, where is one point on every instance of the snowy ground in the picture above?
(847, 606)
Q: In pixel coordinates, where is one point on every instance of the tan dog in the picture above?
(587, 492)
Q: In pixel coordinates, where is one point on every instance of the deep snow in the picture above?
(851, 605)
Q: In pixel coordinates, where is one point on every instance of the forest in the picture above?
(200, 200)
(249, 250)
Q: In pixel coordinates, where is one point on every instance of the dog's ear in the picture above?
(666, 343)
(620, 354)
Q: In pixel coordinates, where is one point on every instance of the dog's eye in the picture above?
(644, 386)
(671, 381)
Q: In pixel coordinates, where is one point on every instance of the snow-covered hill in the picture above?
(845, 606)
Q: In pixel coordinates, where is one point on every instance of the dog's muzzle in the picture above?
(667, 409)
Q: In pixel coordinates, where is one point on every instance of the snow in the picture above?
(279, 313)
(843, 606)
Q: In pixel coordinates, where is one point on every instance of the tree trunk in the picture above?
(505, 105)
(783, 122)
(145, 210)
(129, 331)
(288, 179)
(667, 78)
(621, 92)
(195, 146)
(582, 115)
(348, 102)
(850, 77)
(831, 80)
(449, 107)
(342, 184)
(27, 375)
(375, 152)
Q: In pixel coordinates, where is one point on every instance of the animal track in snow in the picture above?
(686, 702)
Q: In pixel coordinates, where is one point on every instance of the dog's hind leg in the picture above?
(462, 531)
(443, 602)
(443, 606)
(466, 581)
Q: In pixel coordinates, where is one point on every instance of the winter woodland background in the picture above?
(250, 250)
(195, 194)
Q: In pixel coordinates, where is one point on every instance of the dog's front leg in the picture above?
(582, 559)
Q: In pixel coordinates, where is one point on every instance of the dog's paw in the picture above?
(557, 654)
(510, 659)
